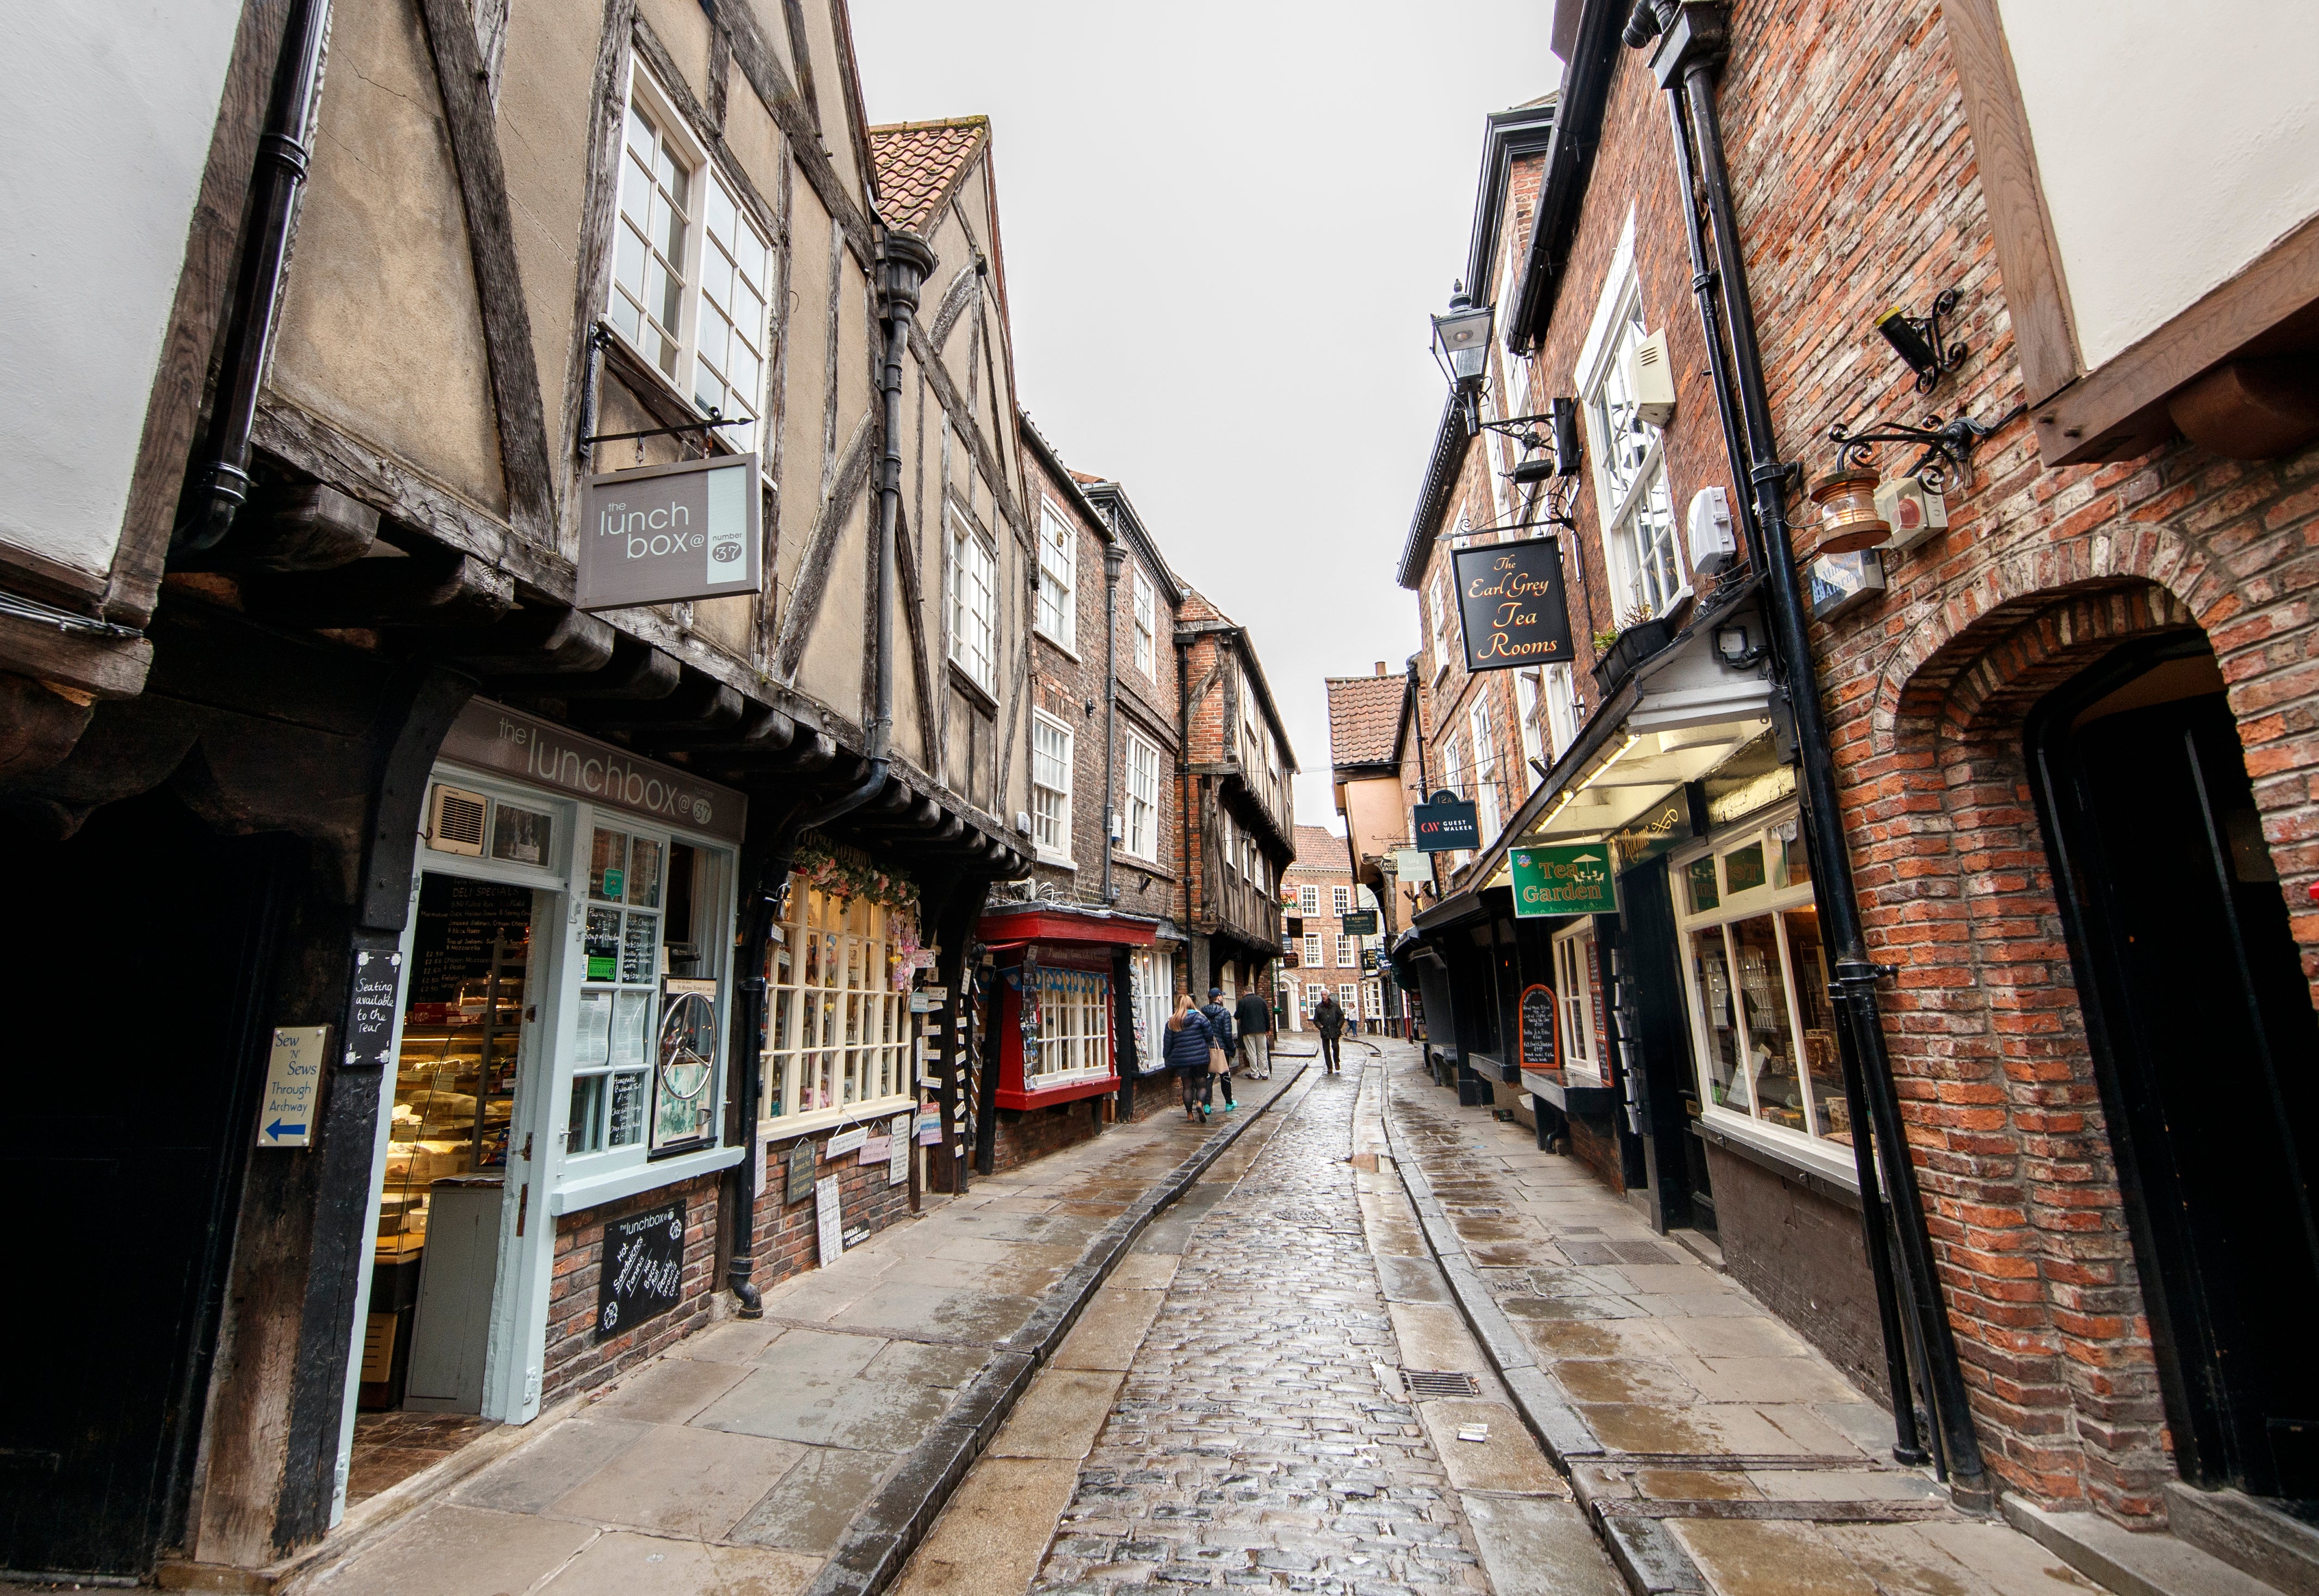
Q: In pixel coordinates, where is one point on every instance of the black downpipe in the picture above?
(1861, 1033)
(904, 261)
(223, 483)
(1875, 1235)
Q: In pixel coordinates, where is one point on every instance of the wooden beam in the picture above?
(798, 121)
(473, 127)
(101, 667)
(821, 548)
(608, 112)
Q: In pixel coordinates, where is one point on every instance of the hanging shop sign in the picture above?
(1509, 599)
(1563, 881)
(1359, 923)
(642, 1276)
(1446, 824)
(493, 737)
(663, 533)
(1540, 1036)
(1664, 826)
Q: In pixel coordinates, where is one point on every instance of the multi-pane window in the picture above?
(1140, 830)
(691, 270)
(1578, 997)
(1348, 998)
(1308, 899)
(1630, 471)
(836, 1021)
(1561, 707)
(1530, 709)
(1373, 1000)
(1051, 785)
(1485, 769)
(973, 583)
(1074, 1027)
(1147, 623)
(1349, 952)
(1439, 607)
(1059, 561)
(1152, 974)
(1763, 1028)
(1313, 995)
(619, 994)
(1341, 901)
(1312, 950)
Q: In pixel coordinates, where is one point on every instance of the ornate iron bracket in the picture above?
(1925, 353)
(1948, 444)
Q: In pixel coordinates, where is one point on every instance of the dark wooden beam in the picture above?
(434, 587)
(700, 704)
(534, 640)
(637, 671)
(821, 548)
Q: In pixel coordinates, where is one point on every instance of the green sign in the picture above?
(1565, 880)
(1359, 923)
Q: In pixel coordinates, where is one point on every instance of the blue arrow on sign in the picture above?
(278, 1130)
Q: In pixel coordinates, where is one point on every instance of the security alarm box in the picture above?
(1713, 549)
(1840, 582)
(454, 821)
(1652, 380)
(1914, 511)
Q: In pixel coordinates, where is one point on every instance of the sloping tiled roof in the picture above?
(1363, 717)
(920, 162)
(1320, 848)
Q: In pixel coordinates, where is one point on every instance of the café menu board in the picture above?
(452, 941)
(1540, 1044)
(642, 1275)
(372, 1005)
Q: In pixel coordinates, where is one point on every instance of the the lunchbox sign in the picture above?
(663, 533)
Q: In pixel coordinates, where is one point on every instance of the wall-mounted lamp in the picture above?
(1461, 346)
(1917, 339)
(1848, 517)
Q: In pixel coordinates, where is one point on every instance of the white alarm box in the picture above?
(1913, 512)
(1652, 380)
(1713, 549)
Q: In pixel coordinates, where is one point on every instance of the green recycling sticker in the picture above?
(1563, 881)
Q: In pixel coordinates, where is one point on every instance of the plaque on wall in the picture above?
(642, 1274)
(798, 1184)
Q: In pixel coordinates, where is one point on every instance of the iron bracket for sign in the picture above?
(1518, 428)
(710, 425)
(1946, 445)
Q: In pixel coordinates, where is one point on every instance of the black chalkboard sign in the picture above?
(371, 1005)
(642, 1275)
(1540, 1046)
(457, 919)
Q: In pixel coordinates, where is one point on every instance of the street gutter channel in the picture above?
(879, 1541)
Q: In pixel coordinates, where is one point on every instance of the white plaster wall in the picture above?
(2175, 142)
(111, 113)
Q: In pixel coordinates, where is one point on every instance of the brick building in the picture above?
(1318, 889)
(2069, 730)
(1378, 769)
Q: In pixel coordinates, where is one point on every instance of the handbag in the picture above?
(1219, 1062)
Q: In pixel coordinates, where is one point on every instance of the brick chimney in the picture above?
(1380, 670)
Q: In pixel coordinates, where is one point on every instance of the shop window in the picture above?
(1141, 828)
(1151, 972)
(1578, 996)
(1074, 1027)
(1762, 1026)
(1059, 562)
(837, 1026)
(1051, 788)
(1372, 1000)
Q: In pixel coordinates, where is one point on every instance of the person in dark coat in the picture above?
(1253, 1017)
(1220, 1025)
(1328, 1020)
(1184, 1049)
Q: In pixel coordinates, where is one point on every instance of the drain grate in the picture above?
(1433, 1383)
(1483, 1212)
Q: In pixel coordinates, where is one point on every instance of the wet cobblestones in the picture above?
(1251, 1444)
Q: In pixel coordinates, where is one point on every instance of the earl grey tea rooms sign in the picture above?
(1509, 601)
(661, 533)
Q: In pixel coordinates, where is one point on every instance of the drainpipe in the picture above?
(222, 481)
(1115, 558)
(1697, 39)
(904, 260)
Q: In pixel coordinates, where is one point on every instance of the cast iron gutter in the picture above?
(1695, 41)
(1433, 498)
(1523, 131)
(1569, 167)
(221, 484)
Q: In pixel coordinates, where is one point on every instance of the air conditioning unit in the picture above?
(1914, 511)
(454, 821)
(1713, 549)
(1651, 379)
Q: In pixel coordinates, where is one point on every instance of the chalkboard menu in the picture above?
(370, 1007)
(453, 940)
(1540, 1043)
(642, 1275)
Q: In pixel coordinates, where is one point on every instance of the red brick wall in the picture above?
(574, 1360)
(1024, 1134)
(786, 1236)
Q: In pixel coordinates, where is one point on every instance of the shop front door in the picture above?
(140, 960)
(2206, 1049)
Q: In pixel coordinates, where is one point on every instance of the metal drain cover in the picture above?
(1433, 1383)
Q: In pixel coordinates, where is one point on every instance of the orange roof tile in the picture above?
(920, 162)
(1363, 717)
(1320, 848)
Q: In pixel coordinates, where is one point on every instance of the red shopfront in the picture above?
(1057, 980)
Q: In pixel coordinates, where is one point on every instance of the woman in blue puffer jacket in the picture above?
(1185, 1050)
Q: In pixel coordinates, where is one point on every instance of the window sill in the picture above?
(789, 1127)
(963, 680)
(592, 1191)
(1058, 861)
(1068, 649)
(1066, 1091)
(1829, 1164)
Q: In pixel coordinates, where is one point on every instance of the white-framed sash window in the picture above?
(1349, 952)
(1629, 453)
(1139, 829)
(1147, 624)
(1308, 899)
(1578, 1001)
(1485, 769)
(1059, 562)
(1313, 957)
(974, 587)
(1051, 788)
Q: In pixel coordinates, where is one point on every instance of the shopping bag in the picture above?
(1219, 1062)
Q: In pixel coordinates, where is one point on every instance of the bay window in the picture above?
(1074, 1040)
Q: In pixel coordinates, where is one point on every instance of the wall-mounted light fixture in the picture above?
(1917, 339)
(1461, 346)
(1946, 445)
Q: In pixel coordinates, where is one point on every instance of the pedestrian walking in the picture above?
(1220, 1026)
(1253, 1016)
(1328, 1020)
(1185, 1050)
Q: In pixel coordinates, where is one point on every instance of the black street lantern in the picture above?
(1461, 343)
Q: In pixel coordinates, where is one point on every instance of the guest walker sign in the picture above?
(1509, 599)
(668, 532)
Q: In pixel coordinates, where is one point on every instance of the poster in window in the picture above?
(627, 1111)
(631, 1014)
(637, 947)
(602, 946)
(594, 1044)
(1509, 599)
(684, 1110)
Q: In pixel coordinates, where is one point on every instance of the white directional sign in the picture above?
(293, 1085)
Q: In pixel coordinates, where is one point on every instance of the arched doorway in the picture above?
(2205, 1047)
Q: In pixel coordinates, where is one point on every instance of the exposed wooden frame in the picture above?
(2117, 410)
(821, 547)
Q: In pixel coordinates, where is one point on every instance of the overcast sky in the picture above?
(1224, 225)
